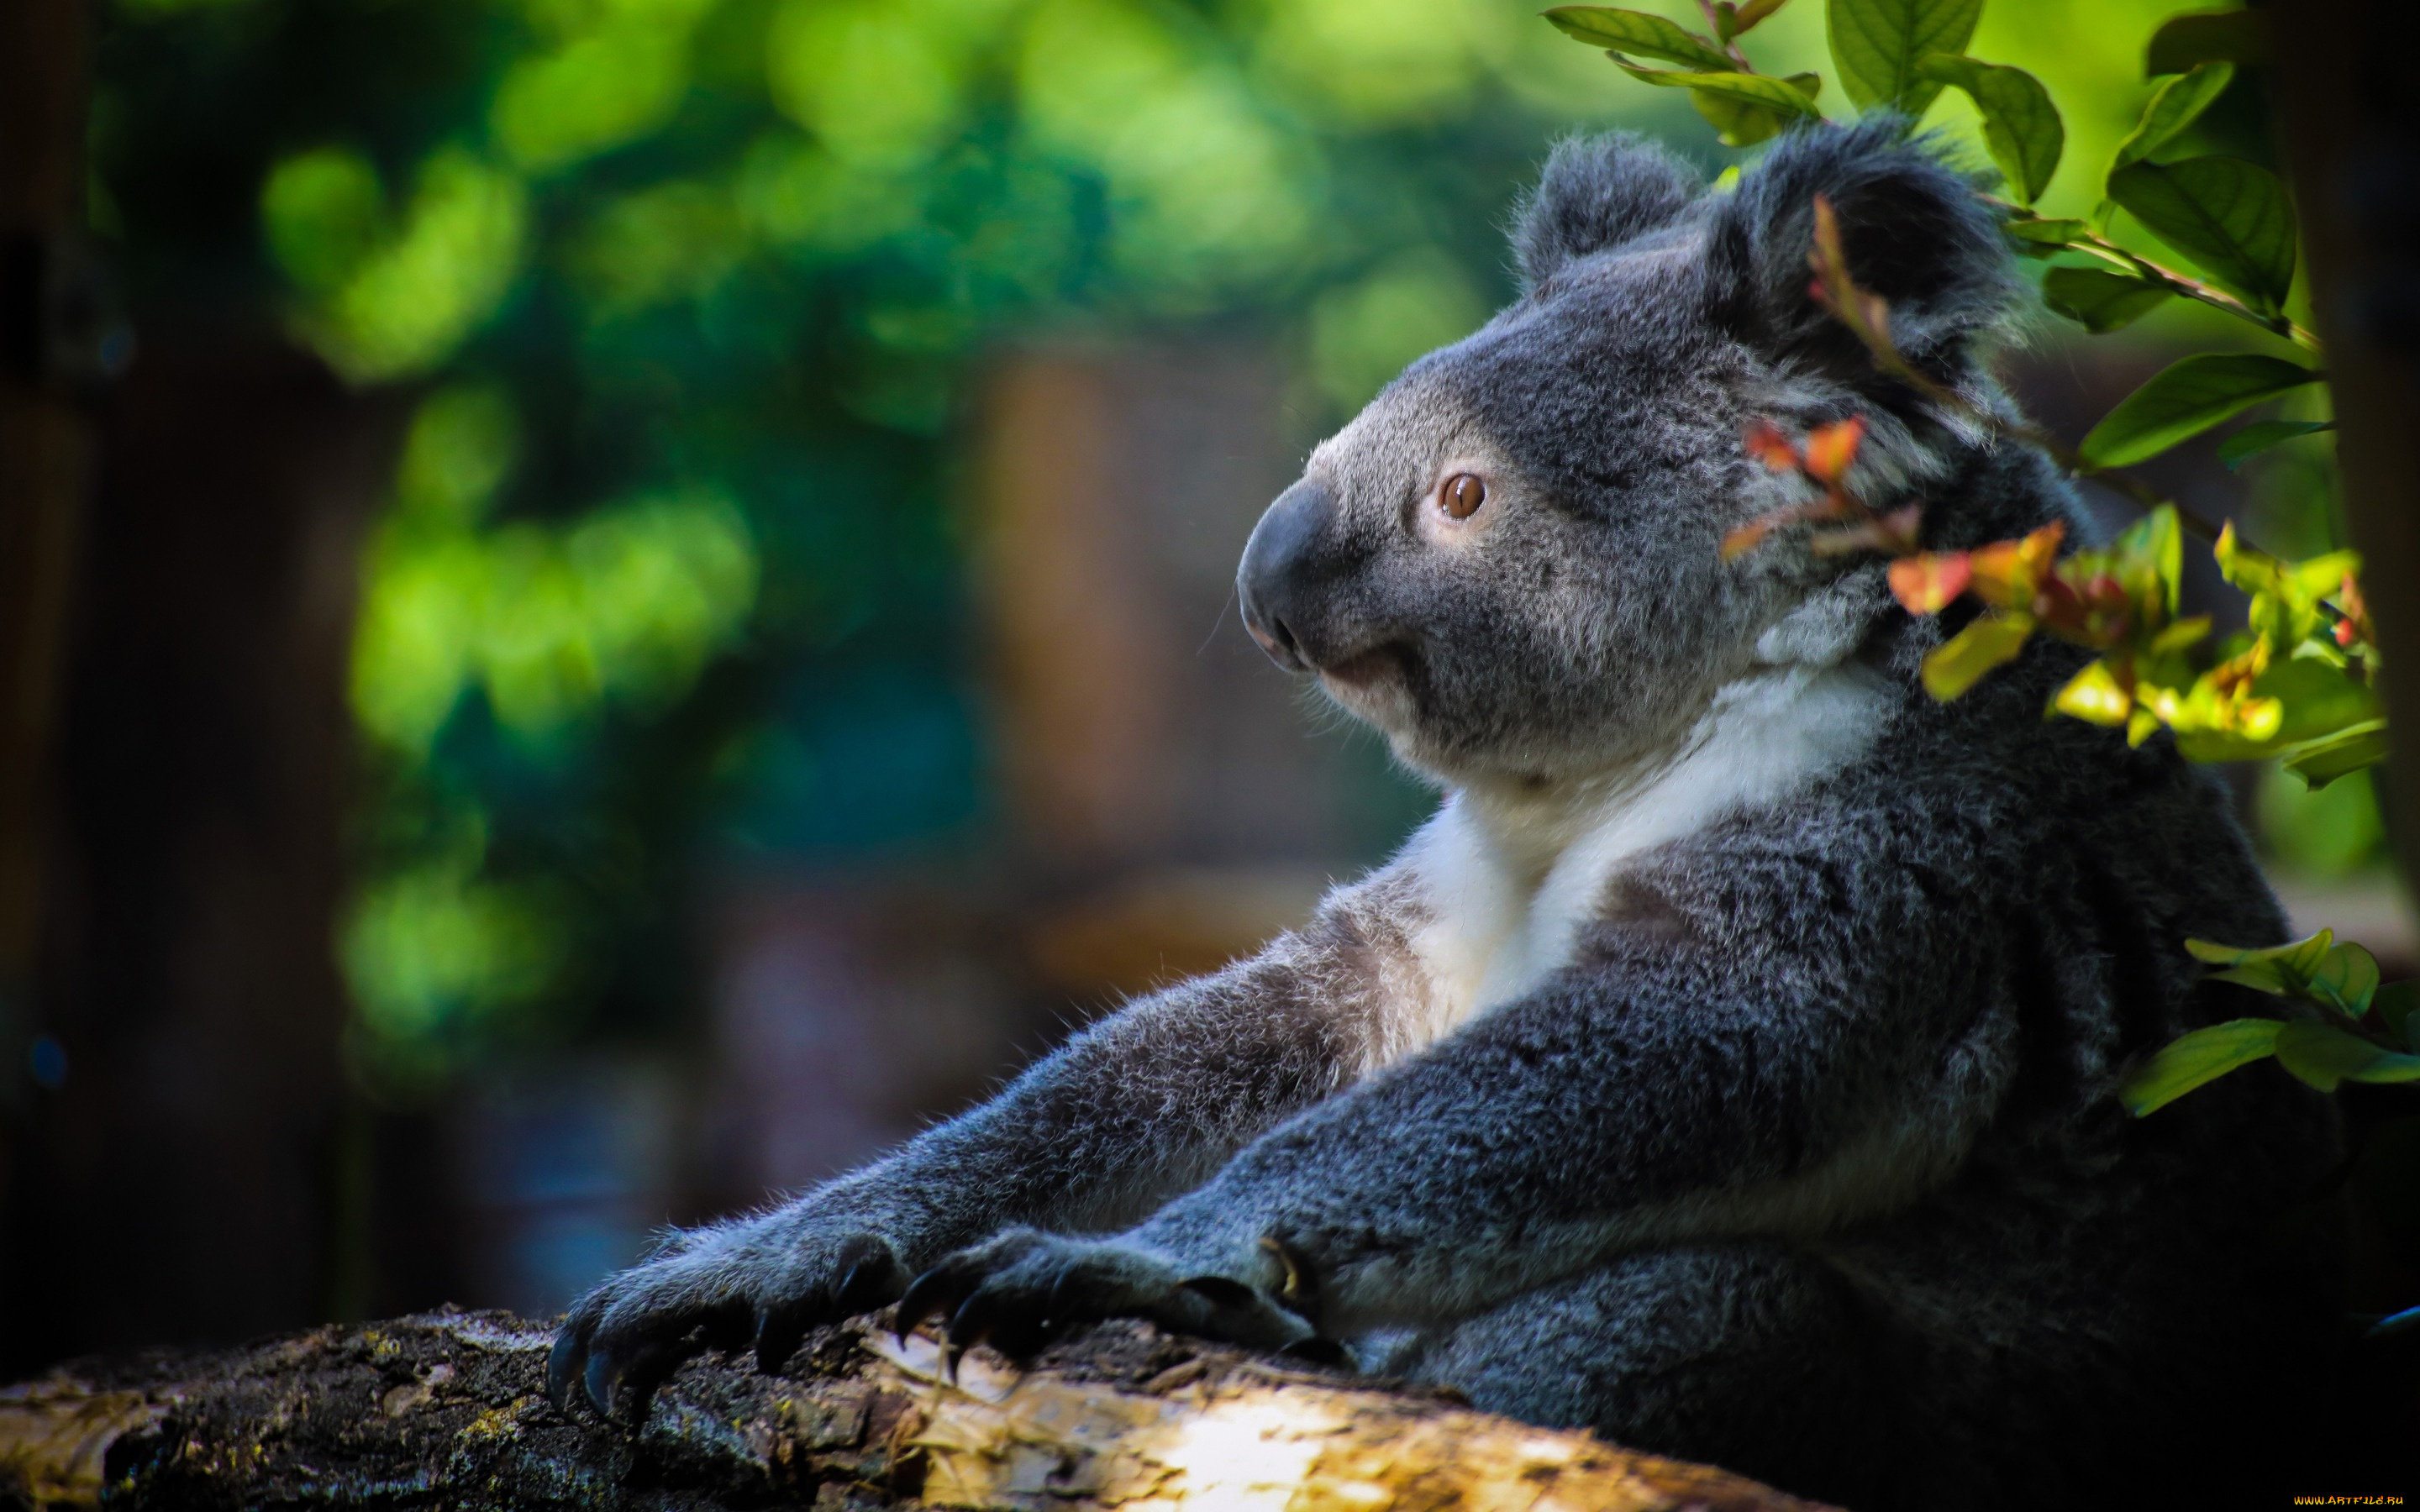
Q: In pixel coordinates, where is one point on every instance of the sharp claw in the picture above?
(872, 1281)
(599, 1382)
(924, 1299)
(778, 1337)
(561, 1361)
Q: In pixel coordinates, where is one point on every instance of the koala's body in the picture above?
(1729, 1065)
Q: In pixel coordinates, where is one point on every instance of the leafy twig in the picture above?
(1868, 317)
(2093, 245)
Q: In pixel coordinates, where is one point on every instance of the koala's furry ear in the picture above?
(1598, 192)
(1914, 231)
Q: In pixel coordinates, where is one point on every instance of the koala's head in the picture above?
(1508, 561)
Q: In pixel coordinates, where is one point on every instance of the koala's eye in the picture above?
(1462, 495)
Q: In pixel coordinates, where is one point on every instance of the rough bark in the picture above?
(446, 1409)
(2347, 76)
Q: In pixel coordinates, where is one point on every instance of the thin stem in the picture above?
(2194, 289)
(2094, 244)
(1869, 319)
(1729, 45)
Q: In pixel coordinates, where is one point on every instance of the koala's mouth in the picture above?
(1367, 667)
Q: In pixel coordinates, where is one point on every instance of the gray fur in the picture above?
(1798, 1150)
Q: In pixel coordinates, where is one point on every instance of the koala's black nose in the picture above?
(1277, 569)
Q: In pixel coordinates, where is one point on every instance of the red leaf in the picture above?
(2007, 573)
(1770, 447)
(1926, 584)
(1831, 449)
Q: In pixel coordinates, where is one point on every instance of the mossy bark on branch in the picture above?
(446, 1409)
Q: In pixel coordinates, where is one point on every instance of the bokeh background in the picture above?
(647, 602)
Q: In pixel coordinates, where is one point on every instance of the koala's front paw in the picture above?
(767, 1281)
(1022, 1288)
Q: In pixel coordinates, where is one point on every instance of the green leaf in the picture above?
(1737, 123)
(2100, 301)
(2208, 37)
(2020, 124)
(2196, 1060)
(1752, 12)
(2324, 1057)
(2348, 979)
(2263, 435)
(2229, 216)
(2178, 104)
(1955, 666)
(2321, 762)
(2185, 399)
(1876, 44)
(2159, 542)
(2038, 238)
(1632, 31)
(1745, 107)
(2321, 703)
(2278, 968)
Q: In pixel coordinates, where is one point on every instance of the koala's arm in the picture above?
(1757, 1038)
(1125, 1114)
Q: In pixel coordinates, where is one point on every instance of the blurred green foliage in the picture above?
(685, 292)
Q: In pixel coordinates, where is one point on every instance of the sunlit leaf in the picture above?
(2282, 970)
(2254, 438)
(2230, 216)
(2006, 572)
(2197, 1059)
(1876, 45)
(1955, 666)
(1636, 32)
(2157, 543)
(325, 213)
(2325, 1057)
(2095, 696)
(2178, 104)
(407, 305)
(1927, 583)
(2208, 37)
(2020, 126)
(2101, 300)
(2186, 398)
(2321, 762)
(2178, 636)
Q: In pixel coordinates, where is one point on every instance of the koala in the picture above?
(1728, 1066)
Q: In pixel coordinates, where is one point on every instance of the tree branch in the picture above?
(447, 1410)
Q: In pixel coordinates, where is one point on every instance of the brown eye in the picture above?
(1462, 495)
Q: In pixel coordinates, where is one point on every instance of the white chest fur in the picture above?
(1508, 884)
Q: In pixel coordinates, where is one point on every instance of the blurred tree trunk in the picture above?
(188, 1182)
(2349, 88)
(45, 455)
(445, 1409)
(178, 557)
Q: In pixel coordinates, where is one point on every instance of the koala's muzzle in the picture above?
(1289, 574)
